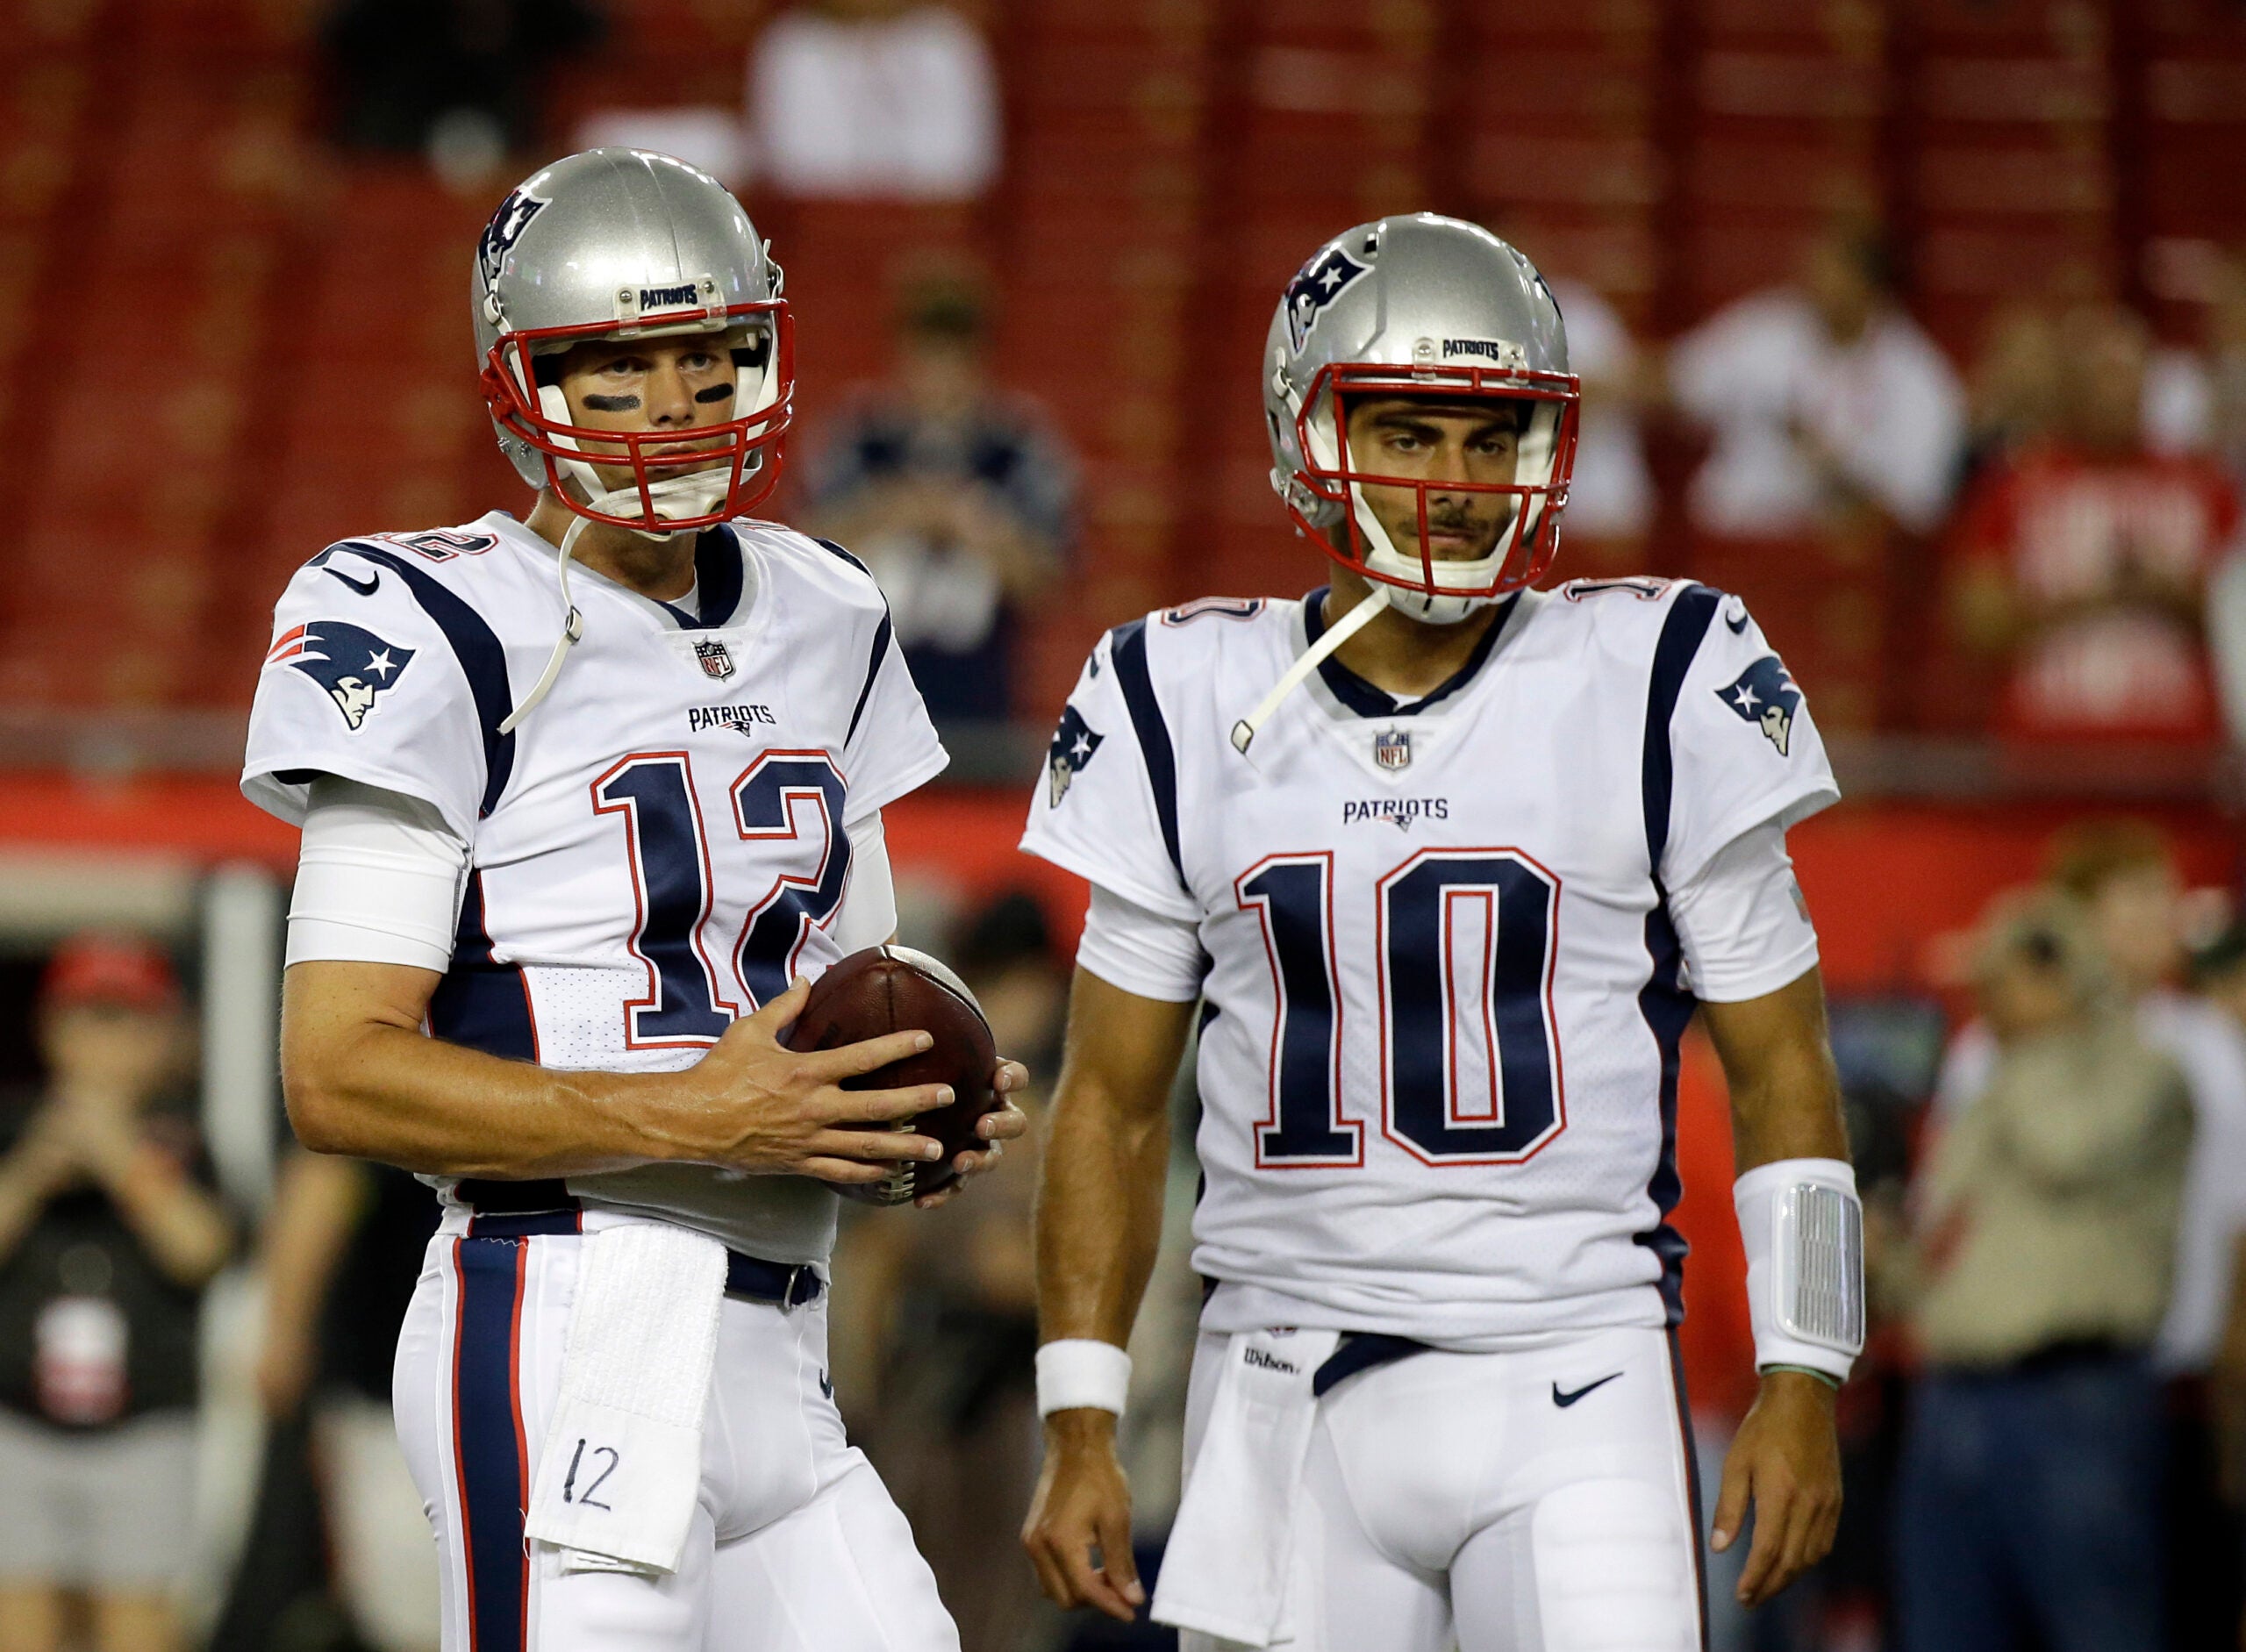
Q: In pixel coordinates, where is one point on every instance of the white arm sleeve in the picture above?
(1146, 952)
(868, 913)
(378, 878)
(1742, 920)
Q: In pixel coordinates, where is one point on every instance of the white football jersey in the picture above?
(1438, 1056)
(661, 846)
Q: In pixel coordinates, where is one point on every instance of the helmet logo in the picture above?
(1322, 281)
(505, 228)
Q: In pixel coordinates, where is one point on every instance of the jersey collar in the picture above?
(1361, 698)
(717, 579)
(720, 575)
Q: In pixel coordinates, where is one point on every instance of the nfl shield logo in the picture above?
(716, 662)
(1394, 749)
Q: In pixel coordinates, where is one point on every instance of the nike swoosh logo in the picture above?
(1565, 1400)
(1738, 626)
(372, 584)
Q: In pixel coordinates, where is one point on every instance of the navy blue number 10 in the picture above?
(1293, 894)
(1469, 1064)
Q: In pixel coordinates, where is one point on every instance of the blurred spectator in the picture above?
(2195, 400)
(343, 1248)
(857, 98)
(2031, 1492)
(936, 1327)
(108, 1233)
(1611, 499)
(955, 495)
(1823, 399)
(2012, 400)
(2219, 974)
(2083, 560)
(2125, 875)
(463, 78)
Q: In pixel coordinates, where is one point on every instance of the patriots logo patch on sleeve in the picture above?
(1322, 282)
(1074, 742)
(1766, 695)
(352, 663)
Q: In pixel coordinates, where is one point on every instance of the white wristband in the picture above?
(1802, 1228)
(1079, 1373)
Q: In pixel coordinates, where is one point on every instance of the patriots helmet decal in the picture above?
(506, 228)
(1321, 281)
(1766, 695)
(1074, 742)
(352, 663)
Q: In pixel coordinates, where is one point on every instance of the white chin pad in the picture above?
(555, 406)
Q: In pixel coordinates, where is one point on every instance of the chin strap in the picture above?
(1356, 620)
(693, 495)
(573, 627)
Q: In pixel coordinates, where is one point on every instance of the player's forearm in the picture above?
(1098, 1213)
(1785, 1095)
(1791, 1112)
(402, 1098)
(382, 1090)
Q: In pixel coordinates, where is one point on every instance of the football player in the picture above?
(586, 799)
(1449, 862)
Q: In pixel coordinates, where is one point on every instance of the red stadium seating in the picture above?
(289, 320)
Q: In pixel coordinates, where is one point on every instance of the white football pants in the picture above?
(1532, 1502)
(795, 1545)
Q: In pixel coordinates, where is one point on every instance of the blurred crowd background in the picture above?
(1920, 323)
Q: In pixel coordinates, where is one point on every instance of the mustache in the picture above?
(1459, 519)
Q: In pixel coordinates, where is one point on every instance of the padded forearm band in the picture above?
(1802, 1227)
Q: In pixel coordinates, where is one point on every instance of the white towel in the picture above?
(1224, 1570)
(622, 1464)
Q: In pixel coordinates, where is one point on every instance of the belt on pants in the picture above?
(526, 1210)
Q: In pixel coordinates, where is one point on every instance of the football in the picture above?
(892, 990)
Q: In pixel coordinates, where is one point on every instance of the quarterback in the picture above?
(585, 799)
(1448, 862)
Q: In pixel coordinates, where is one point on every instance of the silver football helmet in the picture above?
(1419, 305)
(623, 244)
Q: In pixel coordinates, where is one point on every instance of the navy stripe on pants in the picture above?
(488, 1444)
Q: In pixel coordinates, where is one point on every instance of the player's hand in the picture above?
(1083, 1503)
(1786, 1461)
(1001, 1125)
(756, 1104)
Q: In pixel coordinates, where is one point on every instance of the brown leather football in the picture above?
(895, 989)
